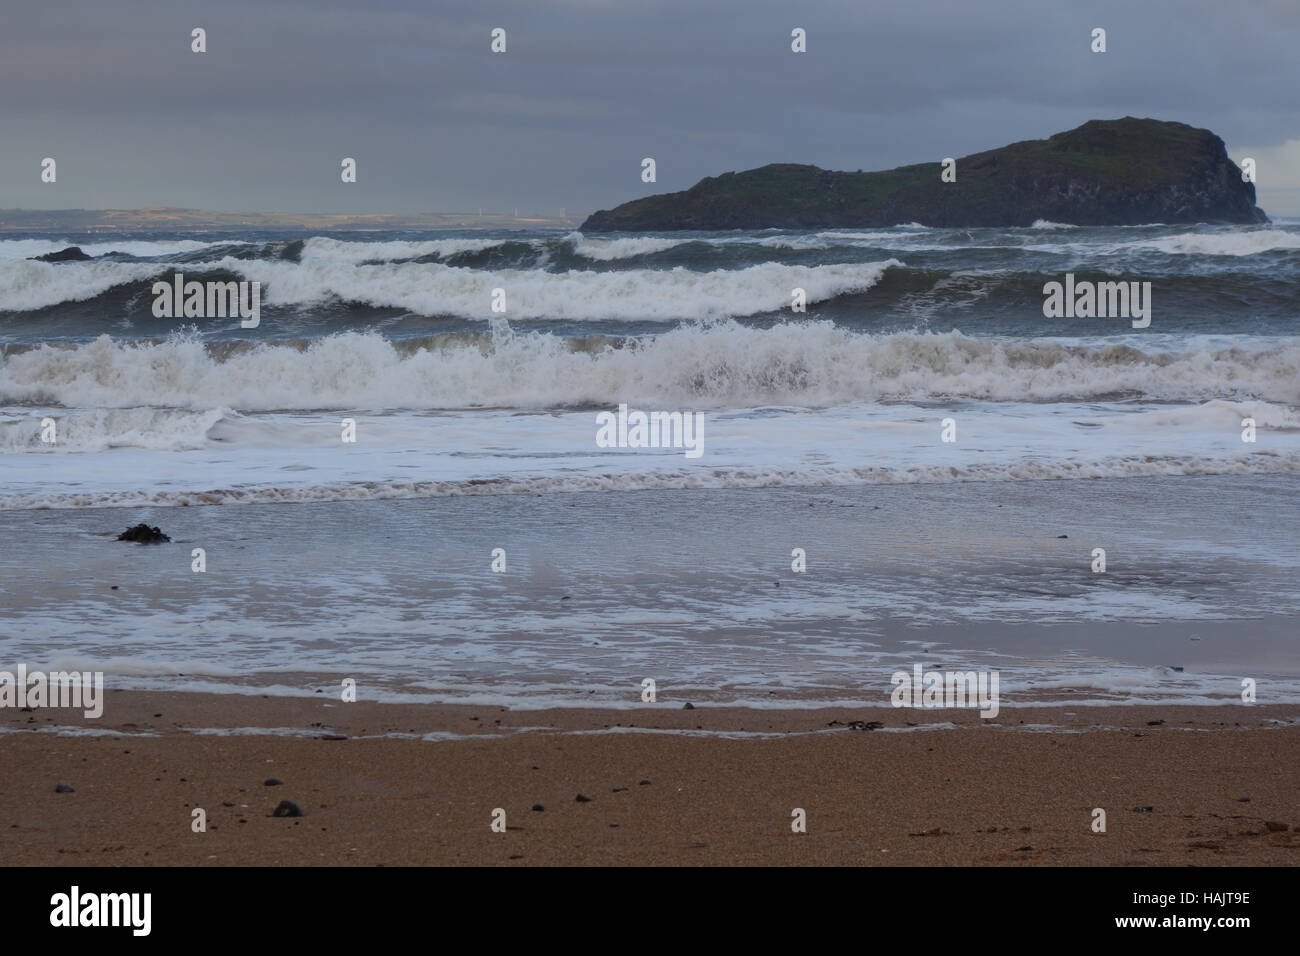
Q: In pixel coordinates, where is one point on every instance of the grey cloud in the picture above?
(586, 90)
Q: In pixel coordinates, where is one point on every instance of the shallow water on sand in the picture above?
(693, 589)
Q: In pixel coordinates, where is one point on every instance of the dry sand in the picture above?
(1009, 794)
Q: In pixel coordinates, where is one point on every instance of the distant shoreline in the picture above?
(200, 220)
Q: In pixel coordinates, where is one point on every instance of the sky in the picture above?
(586, 89)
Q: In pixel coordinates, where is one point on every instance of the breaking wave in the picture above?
(435, 289)
(710, 365)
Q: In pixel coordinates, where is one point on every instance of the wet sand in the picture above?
(417, 785)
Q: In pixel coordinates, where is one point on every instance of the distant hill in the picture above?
(200, 220)
(1106, 172)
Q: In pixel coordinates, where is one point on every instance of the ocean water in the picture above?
(821, 430)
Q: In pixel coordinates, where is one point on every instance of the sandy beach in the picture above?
(394, 784)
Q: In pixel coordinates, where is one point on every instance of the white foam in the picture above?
(606, 250)
(724, 364)
(142, 666)
(26, 285)
(1218, 243)
(321, 249)
(793, 242)
(665, 295)
(102, 429)
(249, 492)
(841, 234)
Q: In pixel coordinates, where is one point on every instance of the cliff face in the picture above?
(1105, 173)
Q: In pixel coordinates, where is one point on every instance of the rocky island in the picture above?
(1104, 173)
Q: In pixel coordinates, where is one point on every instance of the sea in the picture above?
(920, 467)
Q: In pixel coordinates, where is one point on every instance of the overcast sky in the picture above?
(586, 88)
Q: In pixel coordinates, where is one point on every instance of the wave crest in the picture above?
(723, 364)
